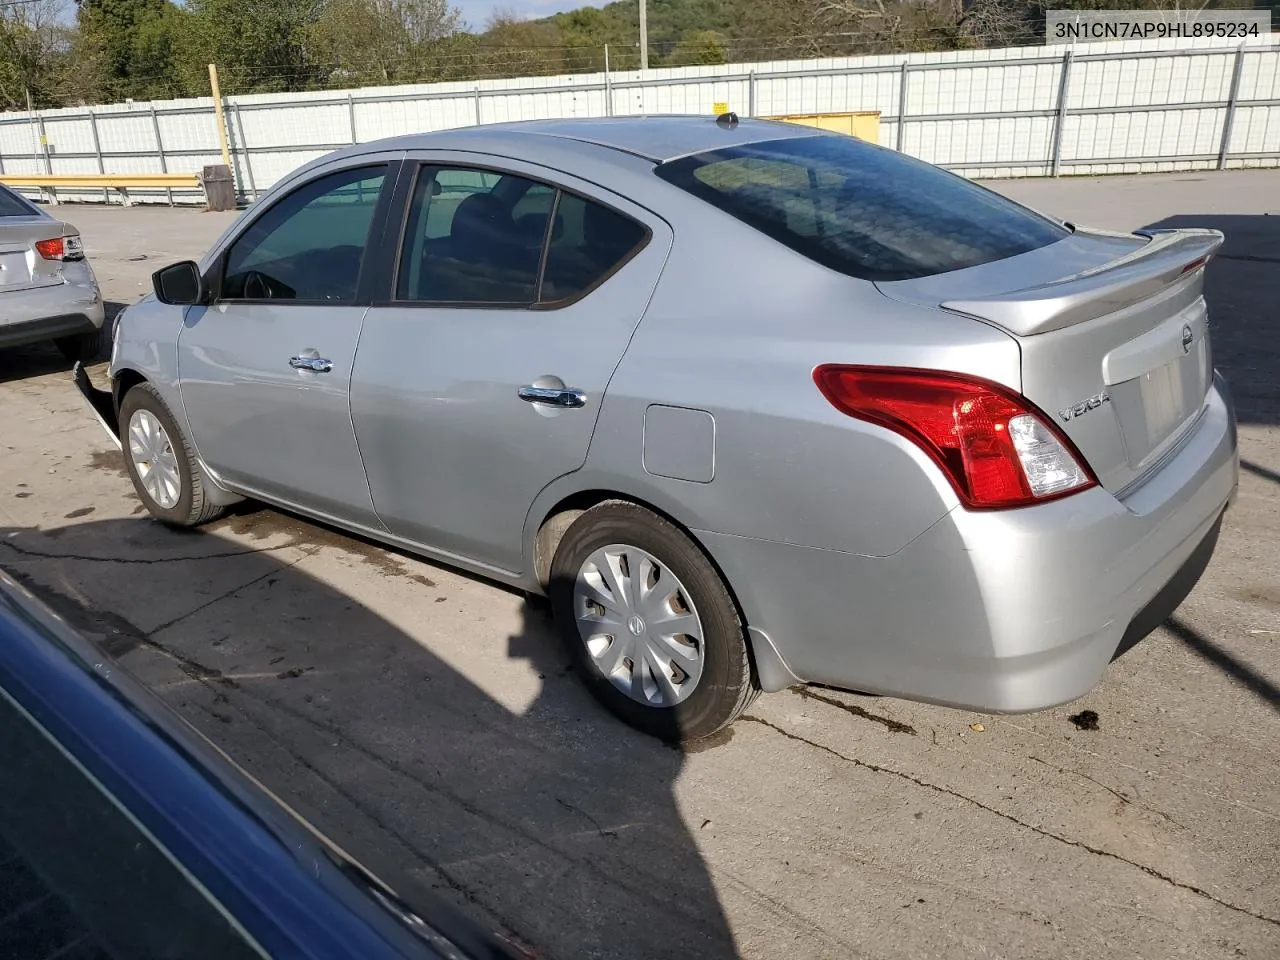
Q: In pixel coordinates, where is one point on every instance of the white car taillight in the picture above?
(1049, 466)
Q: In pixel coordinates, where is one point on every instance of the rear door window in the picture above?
(860, 209)
(477, 238)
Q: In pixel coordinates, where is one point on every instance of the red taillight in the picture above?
(61, 248)
(51, 249)
(1195, 264)
(994, 446)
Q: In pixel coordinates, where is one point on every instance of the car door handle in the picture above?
(315, 364)
(553, 396)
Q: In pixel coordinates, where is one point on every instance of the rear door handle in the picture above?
(315, 364)
(553, 396)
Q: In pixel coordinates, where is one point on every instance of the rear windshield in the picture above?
(12, 205)
(864, 210)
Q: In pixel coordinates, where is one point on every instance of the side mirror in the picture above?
(179, 284)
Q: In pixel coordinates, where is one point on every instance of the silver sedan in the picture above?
(47, 288)
(754, 405)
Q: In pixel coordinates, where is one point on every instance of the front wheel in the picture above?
(650, 624)
(165, 472)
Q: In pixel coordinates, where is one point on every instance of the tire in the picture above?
(84, 347)
(190, 507)
(724, 687)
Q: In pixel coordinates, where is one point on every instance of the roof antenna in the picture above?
(727, 120)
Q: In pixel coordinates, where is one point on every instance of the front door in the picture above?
(514, 298)
(266, 368)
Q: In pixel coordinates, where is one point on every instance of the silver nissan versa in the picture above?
(47, 288)
(755, 405)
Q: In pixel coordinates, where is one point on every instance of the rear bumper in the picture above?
(46, 328)
(45, 313)
(1004, 611)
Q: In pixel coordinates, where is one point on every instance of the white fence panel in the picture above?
(1126, 106)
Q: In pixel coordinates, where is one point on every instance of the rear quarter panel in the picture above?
(735, 329)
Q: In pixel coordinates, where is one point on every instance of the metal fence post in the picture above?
(164, 164)
(44, 152)
(902, 104)
(1055, 157)
(608, 85)
(1229, 120)
(248, 157)
(751, 94)
(477, 104)
(351, 117)
(97, 151)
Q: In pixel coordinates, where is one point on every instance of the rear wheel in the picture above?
(81, 346)
(650, 624)
(165, 472)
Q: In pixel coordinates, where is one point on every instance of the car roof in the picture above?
(654, 138)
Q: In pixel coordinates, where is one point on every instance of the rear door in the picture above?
(479, 380)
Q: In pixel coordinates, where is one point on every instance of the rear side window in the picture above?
(860, 209)
(477, 238)
(12, 205)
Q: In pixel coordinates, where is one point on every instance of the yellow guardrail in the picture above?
(122, 183)
(118, 181)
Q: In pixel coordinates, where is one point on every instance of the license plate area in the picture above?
(1155, 407)
(15, 270)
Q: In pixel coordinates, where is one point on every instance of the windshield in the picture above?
(860, 209)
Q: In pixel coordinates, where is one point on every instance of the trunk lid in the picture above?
(1113, 332)
(21, 266)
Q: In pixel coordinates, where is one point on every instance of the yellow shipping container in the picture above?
(865, 125)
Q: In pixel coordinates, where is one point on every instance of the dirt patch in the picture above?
(109, 460)
(717, 739)
(260, 523)
(1085, 720)
(890, 724)
(82, 512)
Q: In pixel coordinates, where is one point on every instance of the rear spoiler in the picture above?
(1169, 255)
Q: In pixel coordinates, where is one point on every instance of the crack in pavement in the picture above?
(1066, 771)
(1080, 844)
(894, 726)
(45, 555)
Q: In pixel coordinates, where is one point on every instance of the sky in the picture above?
(477, 12)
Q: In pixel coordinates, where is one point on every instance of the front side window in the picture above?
(310, 245)
(481, 238)
(860, 209)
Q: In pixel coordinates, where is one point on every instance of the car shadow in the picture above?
(41, 359)
(527, 805)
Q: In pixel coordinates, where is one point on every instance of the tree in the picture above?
(127, 49)
(380, 41)
(33, 55)
(697, 47)
(260, 46)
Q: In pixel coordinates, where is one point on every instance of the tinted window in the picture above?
(473, 237)
(79, 880)
(861, 209)
(482, 241)
(588, 243)
(310, 245)
(12, 205)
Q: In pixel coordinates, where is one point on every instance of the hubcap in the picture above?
(639, 625)
(153, 459)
